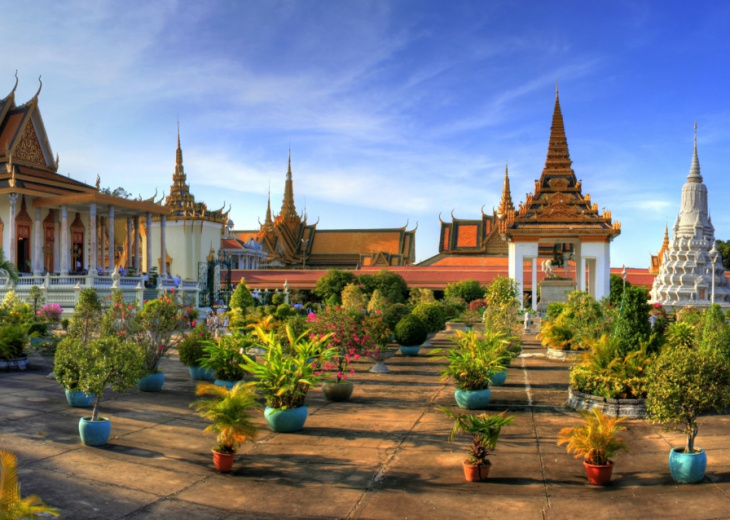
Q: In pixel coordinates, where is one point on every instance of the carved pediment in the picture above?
(28, 149)
(558, 183)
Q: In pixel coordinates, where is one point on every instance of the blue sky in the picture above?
(394, 111)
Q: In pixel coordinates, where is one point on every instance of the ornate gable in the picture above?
(28, 149)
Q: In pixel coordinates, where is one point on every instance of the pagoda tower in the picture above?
(686, 275)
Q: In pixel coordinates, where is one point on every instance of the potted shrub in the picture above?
(410, 333)
(229, 412)
(596, 440)
(224, 356)
(683, 384)
(192, 353)
(484, 430)
(285, 375)
(107, 361)
(472, 363)
(433, 316)
(13, 340)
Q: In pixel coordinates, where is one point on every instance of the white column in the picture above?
(137, 264)
(148, 240)
(112, 252)
(534, 283)
(65, 260)
(518, 251)
(102, 251)
(37, 244)
(599, 254)
(163, 246)
(128, 263)
(93, 246)
(13, 244)
(581, 273)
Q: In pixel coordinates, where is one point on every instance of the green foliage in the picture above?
(283, 311)
(8, 269)
(191, 347)
(36, 296)
(466, 290)
(474, 359)
(418, 295)
(394, 313)
(502, 291)
(86, 319)
(484, 430)
(580, 321)
(330, 286)
(685, 383)
(91, 367)
(353, 297)
(241, 298)
(391, 285)
(596, 440)
(411, 331)
(715, 330)
(616, 290)
(12, 505)
(432, 315)
(277, 299)
(224, 357)
(13, 339)
(682, 334)
(378, 302)
(297, 323)
(632, 324)
(723, 246)
(156, 328)
(229, 412)
(554, 310)
(284, 376)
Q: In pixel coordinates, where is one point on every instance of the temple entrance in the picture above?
(77, 245)
(48, 245)
(23, 248)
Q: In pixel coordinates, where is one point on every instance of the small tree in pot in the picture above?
(410, 333)
(683, 384)
(484, 430)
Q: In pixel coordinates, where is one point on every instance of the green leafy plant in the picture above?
(474, 358)
(13, 339)
(86, 319)
(284, 376)
(411, 331)
(229, 412)
(596, 440)
(224, 356)
(484, 430)
(394, 313)
(8, 269)
(432, 315)
(191, 347)
(91, 367)
(12, 505)
(685, 383)
(467, 290)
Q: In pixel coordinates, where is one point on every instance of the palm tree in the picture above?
(12, 506)
(7, 268)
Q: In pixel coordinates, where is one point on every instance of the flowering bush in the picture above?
(337, 366)
(478, 305)
(50, 312)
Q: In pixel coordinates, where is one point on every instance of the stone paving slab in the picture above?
(382, 455)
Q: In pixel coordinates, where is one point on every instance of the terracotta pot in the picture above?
(597, 474)
(223, 462)
(475, 472)
(337, 392)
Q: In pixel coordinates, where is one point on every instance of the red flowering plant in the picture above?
(346, 338)
(478, 305)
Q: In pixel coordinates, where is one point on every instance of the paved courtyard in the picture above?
(382, 455)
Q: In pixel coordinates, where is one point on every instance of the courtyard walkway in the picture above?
(382, 455)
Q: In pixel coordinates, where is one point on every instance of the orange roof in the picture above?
(343, 242)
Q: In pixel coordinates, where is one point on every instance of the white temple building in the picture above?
(691, 271)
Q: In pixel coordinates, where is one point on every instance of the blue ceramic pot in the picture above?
(201, 374)
(410, 351)
(225, 384)
(78, 399)
(151, 382)
(472, 399)
(499, 378)
(286, 421)
(687, 468)
(95, 433)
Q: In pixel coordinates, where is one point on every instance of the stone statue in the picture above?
(115, 278)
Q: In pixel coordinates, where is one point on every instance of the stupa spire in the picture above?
(505, 204)
(288, 210)
(180, 197)
(558, 161)
(694, 170)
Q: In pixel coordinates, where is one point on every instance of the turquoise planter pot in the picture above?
(95, 433)
(225, 384)
(201, 374)
(79, 399)
(499, 378)
(152, 382)
(687, 468)
(473, 399)
(286, 421)
(410, 351)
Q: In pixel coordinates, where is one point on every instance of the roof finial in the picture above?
(39, 88)
(695, 136)
(16, 82)
(178, 132)
(694, 170)
(556, 87)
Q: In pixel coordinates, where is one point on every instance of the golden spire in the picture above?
(180, 199)
(558, 158)
(268, 223)
(288, 210)
(506, 203)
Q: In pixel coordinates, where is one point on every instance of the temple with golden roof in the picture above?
(290, 242)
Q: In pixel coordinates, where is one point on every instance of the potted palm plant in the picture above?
(224, 357)
(683, 384)
(596, 440)
(472, 363)
(285, 375)
(107, 361)
(229, 412)
(12, 506)
(484, 430)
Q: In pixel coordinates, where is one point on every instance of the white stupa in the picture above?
(686, 273)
